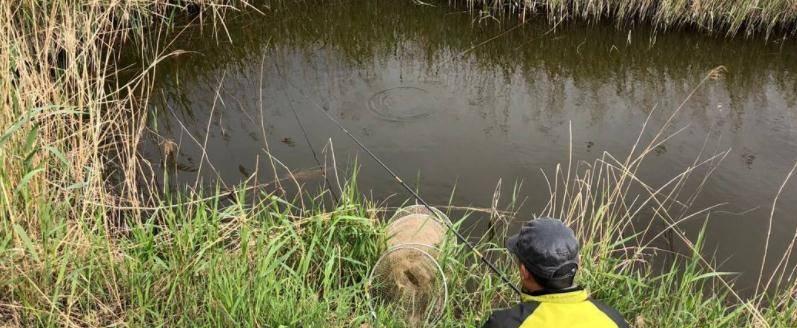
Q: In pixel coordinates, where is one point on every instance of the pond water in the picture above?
(453, 100)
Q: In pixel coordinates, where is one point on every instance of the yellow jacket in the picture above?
(570, 308)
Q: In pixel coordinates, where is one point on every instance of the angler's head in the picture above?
(548, 254)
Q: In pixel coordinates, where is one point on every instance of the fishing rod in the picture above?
(412, 192)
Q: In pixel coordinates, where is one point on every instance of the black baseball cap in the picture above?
(546, 247)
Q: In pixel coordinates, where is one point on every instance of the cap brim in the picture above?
(511, 244)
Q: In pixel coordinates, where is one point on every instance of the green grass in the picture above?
(197, 261)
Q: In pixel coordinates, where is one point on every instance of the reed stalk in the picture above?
(770, 19)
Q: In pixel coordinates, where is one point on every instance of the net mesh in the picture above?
(407, 281)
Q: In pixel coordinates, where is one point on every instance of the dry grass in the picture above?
(71, 125)
(70, 128)
(771, 19)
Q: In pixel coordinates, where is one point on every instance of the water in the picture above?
(454, 102)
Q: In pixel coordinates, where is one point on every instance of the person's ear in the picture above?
(524, 273)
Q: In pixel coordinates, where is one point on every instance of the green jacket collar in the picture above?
(569, 295)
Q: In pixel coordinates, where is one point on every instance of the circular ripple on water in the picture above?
(402, 103)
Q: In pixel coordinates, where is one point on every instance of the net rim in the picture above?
(420, 209)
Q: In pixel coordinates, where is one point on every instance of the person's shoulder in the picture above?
(512, 317)
(610, 312)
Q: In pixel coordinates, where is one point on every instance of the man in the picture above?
(548, 254)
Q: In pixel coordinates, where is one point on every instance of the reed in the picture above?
(771, 19)
(70, 127)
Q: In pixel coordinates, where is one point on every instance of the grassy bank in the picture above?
(770, 19)
(79, 247)
(261, 260)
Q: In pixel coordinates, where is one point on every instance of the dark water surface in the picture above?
(425, 90)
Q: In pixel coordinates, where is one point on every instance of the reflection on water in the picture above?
(451, 102)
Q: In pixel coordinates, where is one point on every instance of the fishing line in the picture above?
(315, 157)
(412, 192)
(307, 139)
